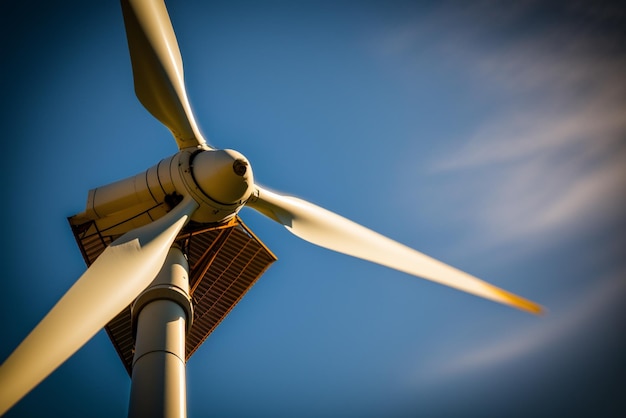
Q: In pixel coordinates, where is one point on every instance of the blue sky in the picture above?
(492, 137)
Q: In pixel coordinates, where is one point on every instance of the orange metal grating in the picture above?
(224, 262)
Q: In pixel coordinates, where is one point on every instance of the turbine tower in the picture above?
(159, 243)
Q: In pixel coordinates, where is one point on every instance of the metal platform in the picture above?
(224, 262)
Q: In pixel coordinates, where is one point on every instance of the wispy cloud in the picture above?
(553, 158)
(545, 173)
(565, 320)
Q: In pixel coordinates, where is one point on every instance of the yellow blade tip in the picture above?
(521, 303)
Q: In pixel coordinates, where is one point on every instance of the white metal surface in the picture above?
(207, 175)
(158, 69)
(329, 230)
(124, 269)
(158, 378)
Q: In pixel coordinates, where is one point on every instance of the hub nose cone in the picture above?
(224, 176)
(240, 167)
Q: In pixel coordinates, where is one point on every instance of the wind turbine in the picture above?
(198, 184)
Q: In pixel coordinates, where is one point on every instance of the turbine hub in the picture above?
(224, 176)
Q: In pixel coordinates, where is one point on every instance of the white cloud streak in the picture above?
(553, 159)
(578, 314)
(551, 173)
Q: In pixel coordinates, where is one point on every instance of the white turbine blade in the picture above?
(121, 272)
(329, 230)
(158, 69)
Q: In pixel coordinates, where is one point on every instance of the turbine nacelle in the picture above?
(220, 181)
